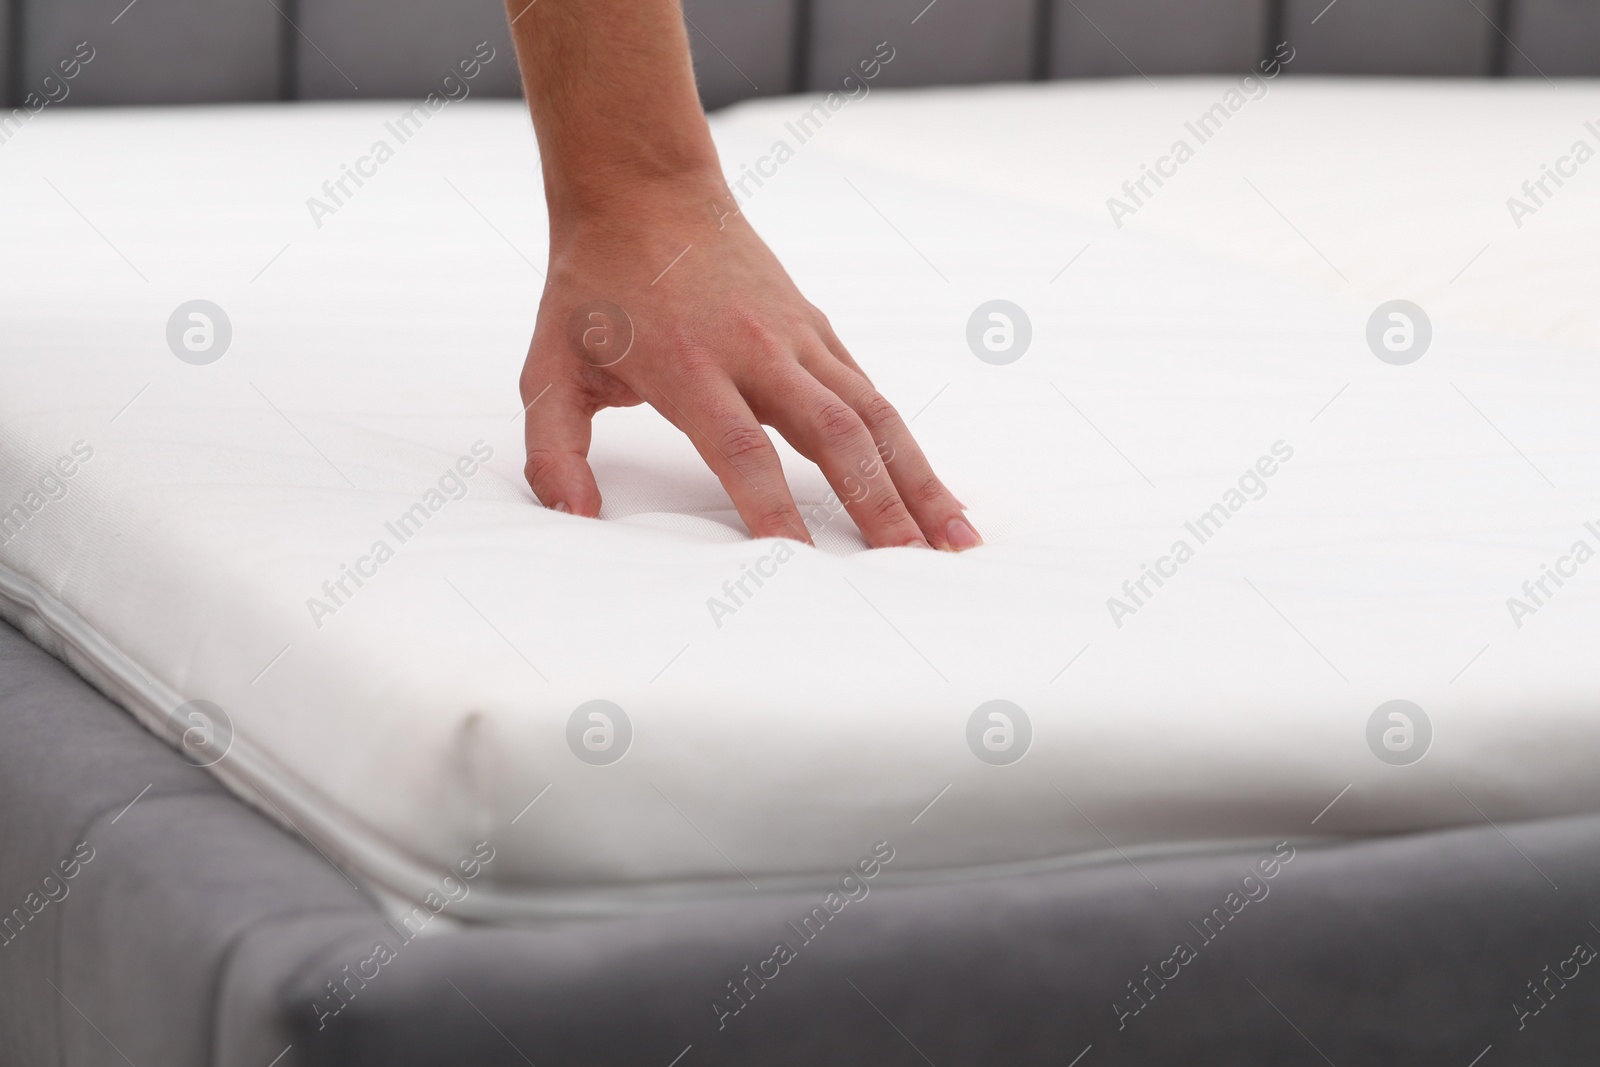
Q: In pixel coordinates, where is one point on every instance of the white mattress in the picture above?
(777, 744)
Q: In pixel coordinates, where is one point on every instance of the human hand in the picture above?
(663, 293)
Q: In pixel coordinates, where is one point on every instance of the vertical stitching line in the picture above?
(11, 90)
(1273, 25)
(1499, 43)
(289, 52)
(800, 47)
(1043, 46)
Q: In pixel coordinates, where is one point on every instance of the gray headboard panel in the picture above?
(152, 52)
(1442, 37)
(1555, 38)
(1113, 38)
(404, 48)
(951, 42)
(190, 51)
(744, 48)
(6, 50)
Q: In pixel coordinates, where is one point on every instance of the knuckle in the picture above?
(877, 412)
(768, 341)
(888, 509)
(820, 324)
(690, 357)
(837, 423)
(777, 516)
(542, 466)
(929, 490)
(756, 318)
(753, 329)
(743, 442)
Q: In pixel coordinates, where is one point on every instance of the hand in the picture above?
(664, 294)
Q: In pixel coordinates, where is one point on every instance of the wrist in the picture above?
(581, 191)
(678, 199)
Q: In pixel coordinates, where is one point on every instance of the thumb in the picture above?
(558, 434)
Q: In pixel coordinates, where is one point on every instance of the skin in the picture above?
(711, 332)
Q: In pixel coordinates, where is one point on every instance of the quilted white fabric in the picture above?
(1223, 534)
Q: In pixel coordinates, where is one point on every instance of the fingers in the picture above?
(726, 434)
(936, 511)
(558, 425)
(821, 402)
(831, 434)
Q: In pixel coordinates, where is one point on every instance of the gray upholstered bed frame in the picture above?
(193, 932)
(208, 51)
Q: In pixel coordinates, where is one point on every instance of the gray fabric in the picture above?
(951, 42)
(8, 91)
(1554, 38)
(1439, 37)
(199, 934)
(374, 49)
(139, 939)
(255, 1021)
(742, 48)
(1411, 950)
(183, 878)
(68, 765)
(1128, 38)
(185, 51)
(157, 51)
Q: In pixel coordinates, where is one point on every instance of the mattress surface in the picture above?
(1227, 527)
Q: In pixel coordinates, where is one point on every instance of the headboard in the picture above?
(205, 51)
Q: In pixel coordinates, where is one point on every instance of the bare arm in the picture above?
(660, 291)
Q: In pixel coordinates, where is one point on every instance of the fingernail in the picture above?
(961, 536)
(561, 506)
(918, 544)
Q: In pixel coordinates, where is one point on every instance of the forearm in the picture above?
(612, 92)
